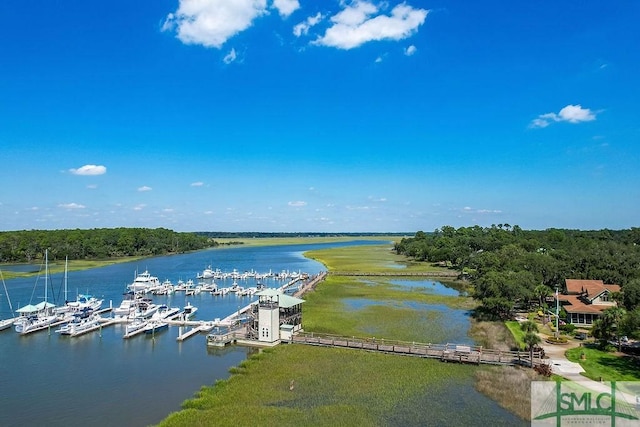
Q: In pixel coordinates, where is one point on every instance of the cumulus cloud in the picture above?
(71, 206)
(139, 207)
(410, 50)
(286, 7)
(570, 113)
(212, 22)
(89, 170)
(230, 57)
(359, 22)
(145, 188)
(304, 26)
(297, 204)
(197, 184)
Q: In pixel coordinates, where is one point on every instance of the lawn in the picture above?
(605, 365)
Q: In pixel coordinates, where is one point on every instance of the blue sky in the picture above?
(293, 115)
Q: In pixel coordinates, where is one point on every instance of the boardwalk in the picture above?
(447, 274)
(445, 352)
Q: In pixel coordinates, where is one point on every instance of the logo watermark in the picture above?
(582, 403)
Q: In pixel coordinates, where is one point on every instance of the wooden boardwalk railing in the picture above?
(397, 273)
(460, 353)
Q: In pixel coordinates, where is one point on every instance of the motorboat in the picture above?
(80, 325)
(155, 326)
(144, 282)
(189, 311)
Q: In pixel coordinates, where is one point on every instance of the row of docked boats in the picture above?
(82, 315)
(217, 274)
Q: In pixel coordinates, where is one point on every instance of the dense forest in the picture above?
(510, 267)
(98, 243)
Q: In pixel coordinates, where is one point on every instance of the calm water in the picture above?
(51, 380)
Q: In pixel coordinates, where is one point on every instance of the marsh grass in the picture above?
(493, 335)
(370, 259)
(331, 387)
(391, 317)
(514, 390)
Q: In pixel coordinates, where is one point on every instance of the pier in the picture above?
(459, 353)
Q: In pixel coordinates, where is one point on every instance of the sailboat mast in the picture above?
(66, 262)
(6, 292)
(46, 273)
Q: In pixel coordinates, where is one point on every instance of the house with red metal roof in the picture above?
(585, 300)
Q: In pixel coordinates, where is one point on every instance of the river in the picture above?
(103, 379)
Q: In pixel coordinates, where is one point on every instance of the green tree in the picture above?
(531, 339)
(607, 327)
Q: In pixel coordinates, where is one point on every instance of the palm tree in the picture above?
(542, 292)
(529, 326)
(531, 339)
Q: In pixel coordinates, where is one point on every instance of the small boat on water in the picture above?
(155, 326)
(80, 324)
(135, 326)
(189, 311)
(208, 273)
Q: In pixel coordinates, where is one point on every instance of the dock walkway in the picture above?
(460, 353)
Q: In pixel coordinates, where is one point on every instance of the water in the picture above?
(103, 379)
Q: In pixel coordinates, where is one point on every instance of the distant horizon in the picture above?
(362, 115)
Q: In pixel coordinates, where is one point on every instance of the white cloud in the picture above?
(212, 22)
(286, 7)
(71, 206)
(145, 188)
(410, 50)
(92, 186)
(378, 59)
(303, 27)
(570, 113)
(297, 204)
(230, 57)
(89, 170)
(197, 184)
(358, 23)
(139, 207)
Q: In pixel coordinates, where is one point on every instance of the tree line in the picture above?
(97, 243)
(510, 267)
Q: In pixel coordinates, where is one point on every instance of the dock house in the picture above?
(279, 316)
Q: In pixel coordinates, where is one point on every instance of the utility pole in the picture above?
(557, 313)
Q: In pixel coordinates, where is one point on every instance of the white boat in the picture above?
(33, 318)
(128, 305)
(166, 288)
(208, 273)
(136, 325)
(144, 282)
(82, 303)
(189, 311)
(80, 324)
(155, 326)
(165, 312)
(145, 308)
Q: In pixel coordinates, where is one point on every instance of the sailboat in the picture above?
(6, 323)
(40, 316)
(82, 304)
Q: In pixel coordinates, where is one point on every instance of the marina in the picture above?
(180, 355)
